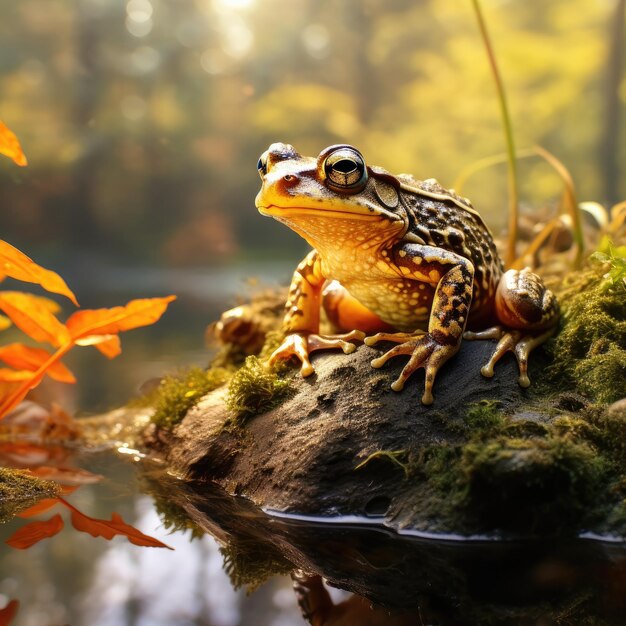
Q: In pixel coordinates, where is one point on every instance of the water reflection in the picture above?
(387, 579)
(78, 580)
(187, 586)
(411, 580)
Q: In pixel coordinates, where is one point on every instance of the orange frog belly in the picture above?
(375, 306)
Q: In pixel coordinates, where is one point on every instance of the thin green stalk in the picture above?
(508, 133)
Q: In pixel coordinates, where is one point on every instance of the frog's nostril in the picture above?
(290, 178)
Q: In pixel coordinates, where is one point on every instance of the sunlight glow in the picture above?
(234, 4)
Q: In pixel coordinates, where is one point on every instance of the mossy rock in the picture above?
(480, 460)
(487, 457)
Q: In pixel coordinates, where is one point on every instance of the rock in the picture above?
(302, 456)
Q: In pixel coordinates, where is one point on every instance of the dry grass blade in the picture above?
(571, 205)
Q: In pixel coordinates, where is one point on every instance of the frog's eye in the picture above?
(345, 170)
(262, 165)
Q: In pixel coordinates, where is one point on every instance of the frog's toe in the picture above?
(372, 340)
(331, 342)
(515, 341)
(425, 352)
(294, 345)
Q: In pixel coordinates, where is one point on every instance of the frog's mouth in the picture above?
(272, 210)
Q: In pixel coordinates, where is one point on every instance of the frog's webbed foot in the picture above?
(520, 343)
(424, 350)
(302, 345)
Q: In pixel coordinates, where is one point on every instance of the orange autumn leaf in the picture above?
(66, 475)
(109, 528)
(33, 319)
(9, 612)
(46, 504)
(16, 264)
(41, 507)
(83, 324)
(10, 146)
(109, 345)
(34, 532)
(14, 376)
(26, 358)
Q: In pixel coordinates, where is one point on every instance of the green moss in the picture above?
(177, 394)
(255, 388)
(484, 418)
(602, 375)
(574, 428)
(250, 564)
(174, 517)
(521, 474)
(542, 484)
(19, 490)
(273, 339)
(588, 351)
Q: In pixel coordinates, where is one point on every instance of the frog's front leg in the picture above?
(448, 316)
(528, 313)
(302, 318)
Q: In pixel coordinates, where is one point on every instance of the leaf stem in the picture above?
(508, 132)
(12, 400)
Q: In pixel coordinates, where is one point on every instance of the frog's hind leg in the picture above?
(528, 313)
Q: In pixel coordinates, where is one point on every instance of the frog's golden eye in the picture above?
(345, 170)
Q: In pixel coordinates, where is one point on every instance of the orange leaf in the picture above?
(17, 265)
(83, 324)
(13, 376)
(111, 348)
(34, 532)
(46, 503)
(72, 475)
(33, 319)
(8, 612)
(41, 507)
(109, 345)
(10, 146)
(5, 322)
(108, 529)
(24, 357)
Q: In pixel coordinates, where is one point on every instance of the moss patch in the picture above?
(589, 350)
(518, 474)
(536, 485)
(250, 564)
(177, 394)
(19, 490)
(255, 388)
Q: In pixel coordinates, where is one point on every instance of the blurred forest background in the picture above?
(143, 119)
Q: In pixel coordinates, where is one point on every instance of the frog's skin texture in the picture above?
(404, 259)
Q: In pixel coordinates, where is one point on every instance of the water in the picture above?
(79, 580)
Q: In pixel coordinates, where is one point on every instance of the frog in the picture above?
(395, 259)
